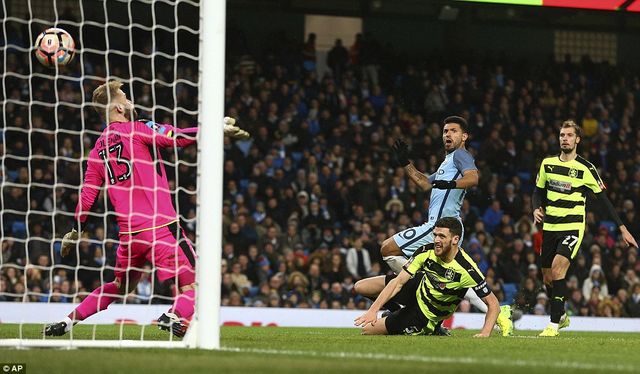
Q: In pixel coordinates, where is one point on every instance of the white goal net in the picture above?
(49, 128)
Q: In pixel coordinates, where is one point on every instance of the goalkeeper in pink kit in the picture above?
(127, 161)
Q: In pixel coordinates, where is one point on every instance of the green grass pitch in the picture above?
(279, 349)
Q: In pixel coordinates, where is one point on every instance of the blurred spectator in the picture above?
(633, 304)
(615, 279)
(526, 298)
(144, 289)
(576, 303)
(608, 308)
(358, 260)
(240, 281)
(309, 53)
(335, 269)
(337, 60)
(597, 281)
(542, 300)
(492, 216)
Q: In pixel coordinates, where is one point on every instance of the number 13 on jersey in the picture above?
(117, 149)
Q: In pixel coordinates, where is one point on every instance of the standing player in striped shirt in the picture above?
(126, 157)
(559, 201)
(448, 186)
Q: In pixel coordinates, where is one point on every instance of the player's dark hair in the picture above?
(458, 120)
(576, 128)
(451, 223)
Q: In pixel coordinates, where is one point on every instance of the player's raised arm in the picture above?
(401, 152)
(164, 135)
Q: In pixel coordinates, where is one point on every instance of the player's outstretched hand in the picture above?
(538, 215)
(401, 151)
(369, 317)
(482, 335)
(233, 131)
(69, 241)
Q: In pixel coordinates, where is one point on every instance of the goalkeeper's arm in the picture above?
(93, 180)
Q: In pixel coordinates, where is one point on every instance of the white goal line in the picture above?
(74, 343)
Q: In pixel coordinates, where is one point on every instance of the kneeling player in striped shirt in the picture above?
(432, 284)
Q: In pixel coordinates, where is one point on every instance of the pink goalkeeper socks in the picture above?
(101, 297)
(98, 300)
(183, 307)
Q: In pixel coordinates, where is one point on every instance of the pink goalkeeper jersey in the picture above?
(127, 156)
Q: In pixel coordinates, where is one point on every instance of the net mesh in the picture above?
(50, 126)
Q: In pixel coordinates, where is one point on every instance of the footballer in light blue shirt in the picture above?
(448, 186)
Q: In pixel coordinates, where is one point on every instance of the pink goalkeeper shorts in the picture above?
(167, 248)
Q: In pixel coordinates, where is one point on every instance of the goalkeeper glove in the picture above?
(69, 241)
(444, 185)
(401, 150)
(233, 131)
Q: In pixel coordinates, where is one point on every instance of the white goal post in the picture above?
(204, 330)
(211, 101)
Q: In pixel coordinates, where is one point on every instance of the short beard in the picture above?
(566, 151)
(454, 148)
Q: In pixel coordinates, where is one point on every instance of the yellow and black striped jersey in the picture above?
(566, 184)
(444, 285)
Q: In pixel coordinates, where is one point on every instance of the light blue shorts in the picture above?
(409, 240)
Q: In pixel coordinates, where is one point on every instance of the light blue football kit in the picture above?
(443, 203)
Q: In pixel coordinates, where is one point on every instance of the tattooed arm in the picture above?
(417, 177)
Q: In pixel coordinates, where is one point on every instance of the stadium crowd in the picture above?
(310, 198)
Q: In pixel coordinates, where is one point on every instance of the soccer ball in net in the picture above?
(54, 46)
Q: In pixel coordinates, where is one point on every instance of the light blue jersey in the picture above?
(443, 203)
(447, 203)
